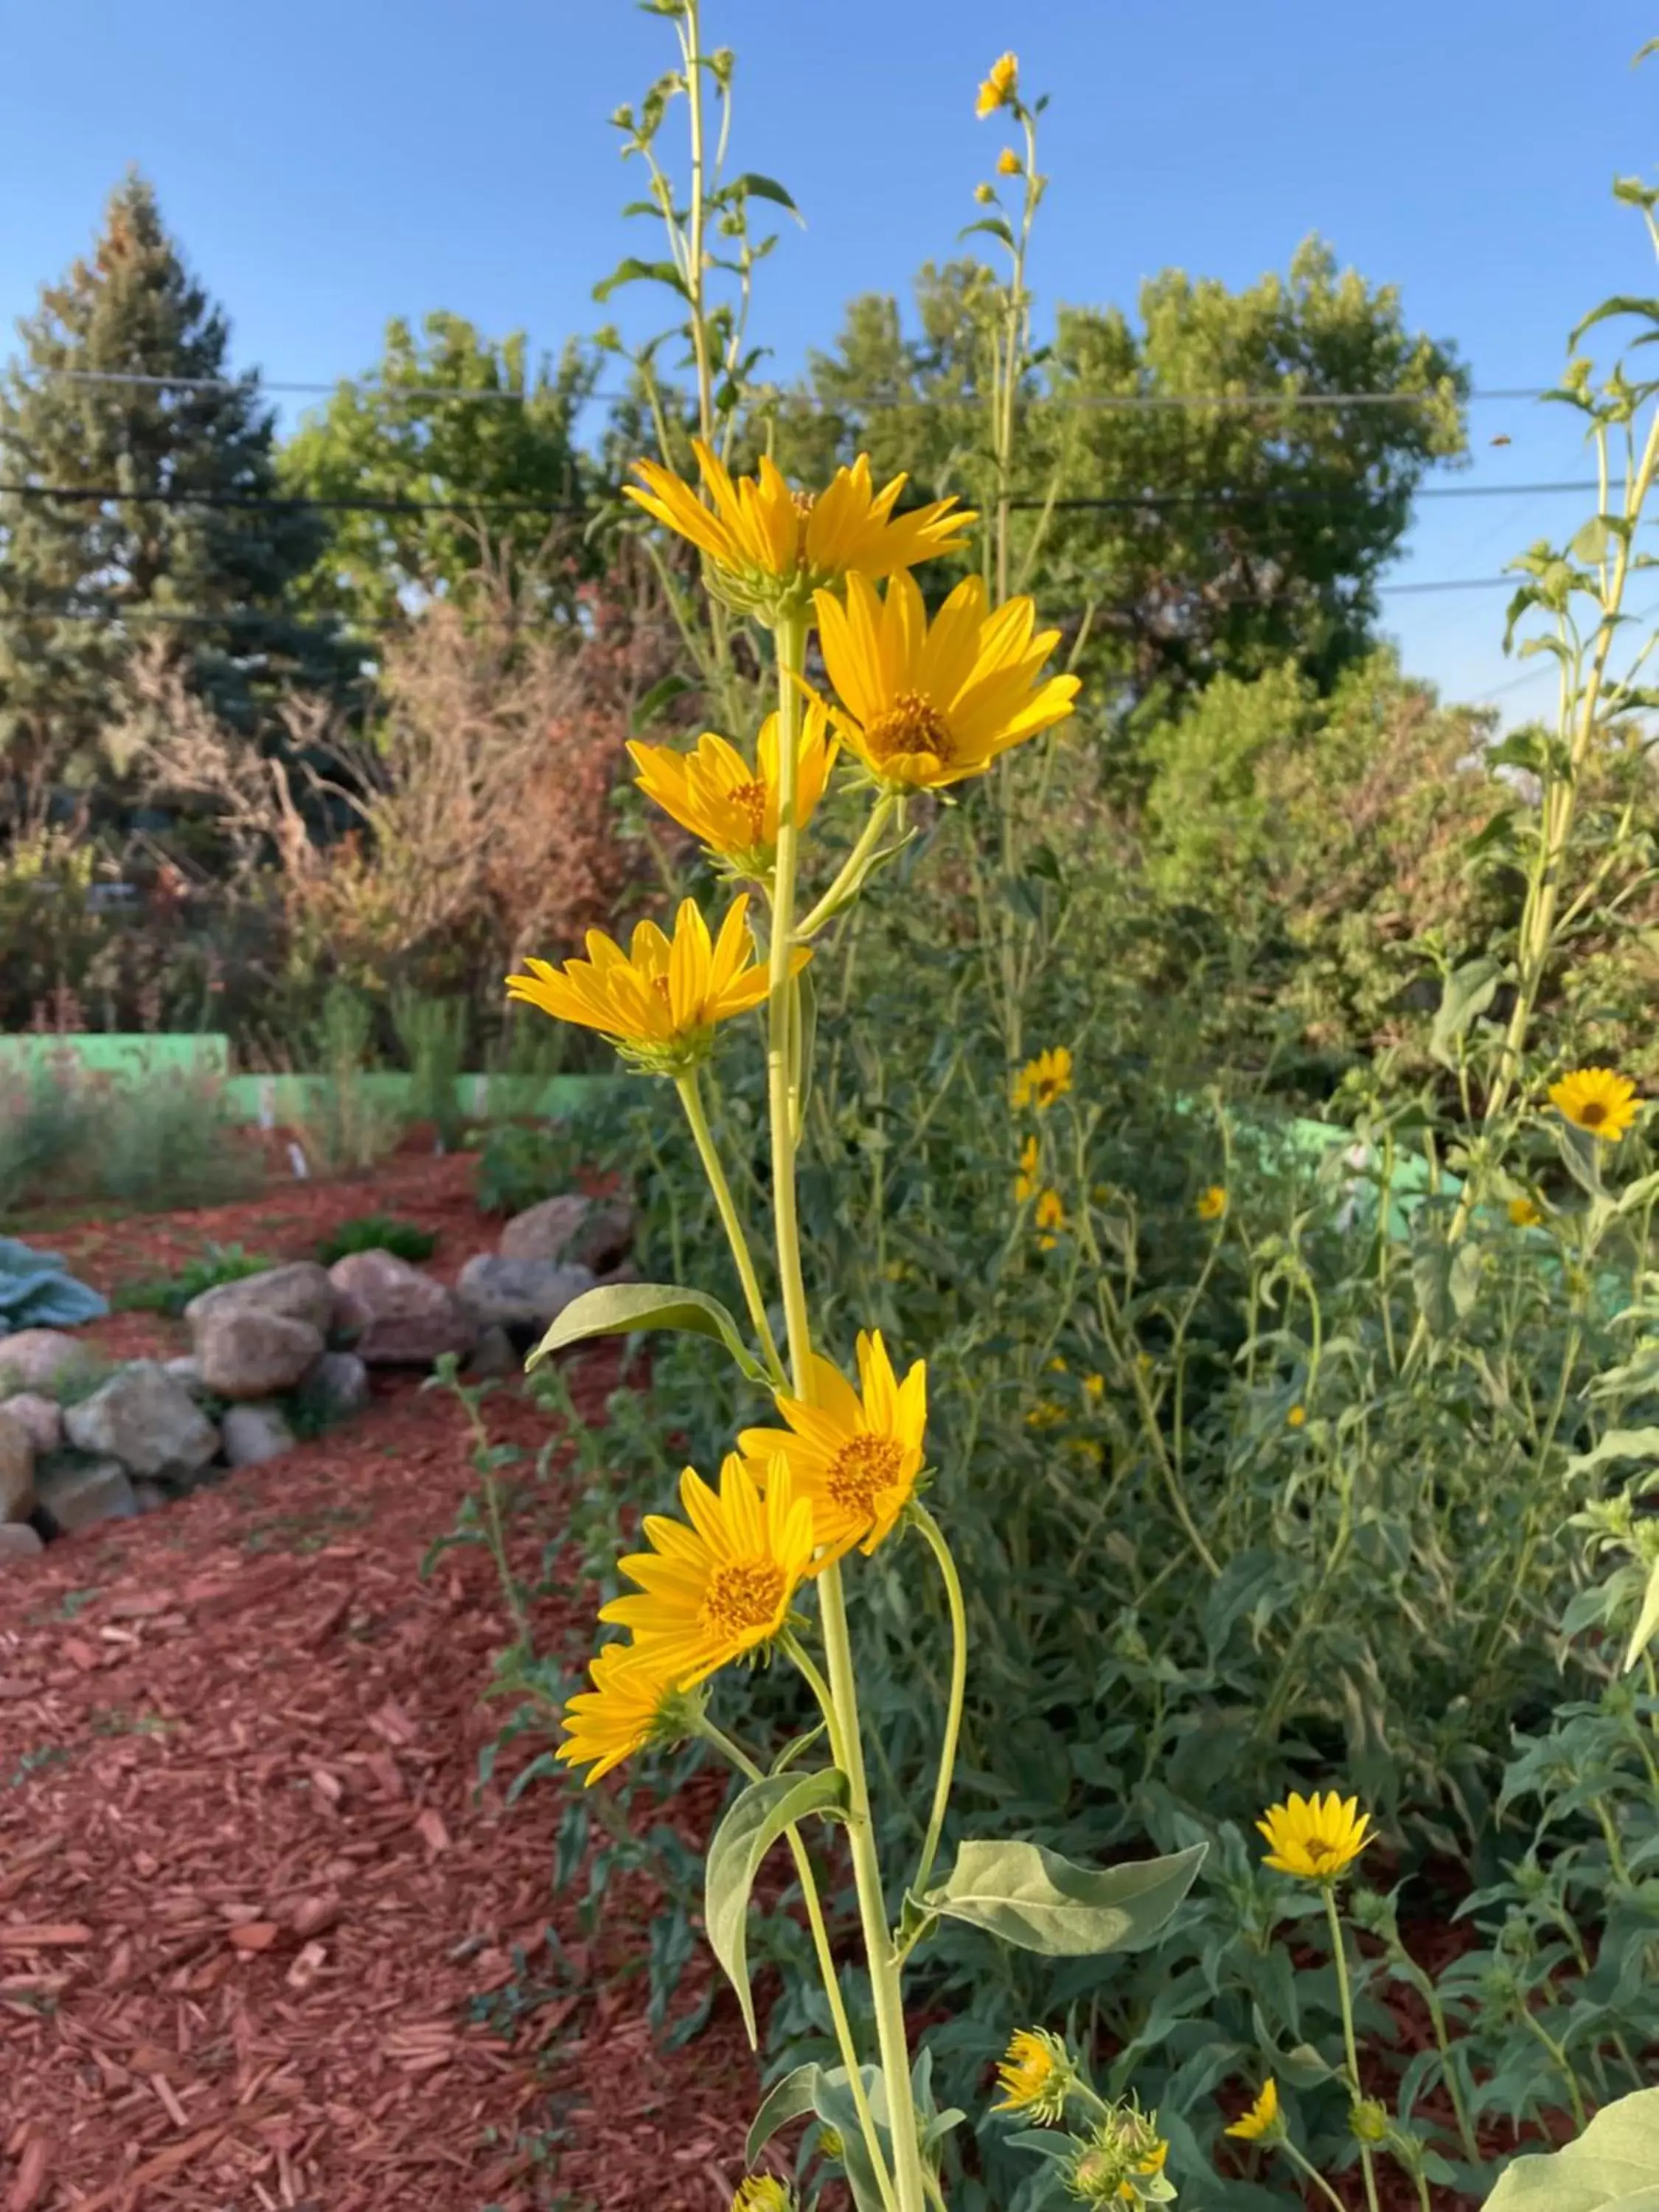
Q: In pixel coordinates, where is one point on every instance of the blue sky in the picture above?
(327, 166)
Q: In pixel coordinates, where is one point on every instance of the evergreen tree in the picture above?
(172, 474)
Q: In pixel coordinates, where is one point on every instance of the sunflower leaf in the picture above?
(620, 1308)
(834, 2105)
(1612, 2167)
(743, 1838)
(1038, 1901)
(791, 2098)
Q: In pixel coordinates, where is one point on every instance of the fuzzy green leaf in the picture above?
(1038, 1901)
(791, 2098)
(743, 1838)
(620, 1308)
(1612, 2167)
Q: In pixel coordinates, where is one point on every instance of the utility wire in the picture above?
(1142, 501)
(866, 402)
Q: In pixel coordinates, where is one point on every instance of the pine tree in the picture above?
(173, 472)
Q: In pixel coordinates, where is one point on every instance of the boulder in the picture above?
(301, 1291)
(186, 1369)
(249, 1352)
(517, 1294)
(81, 1495)
(16, 1469)
(18, 1541)
(149, 1497)
(572, 1231)
(336, 1387)
(395, 1316)
(42, 1417)
(34, 1359)
(146, 1419)
(253, 1434)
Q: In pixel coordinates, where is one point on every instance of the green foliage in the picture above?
(377, 1232)
(456, 420)
(433, 1033)
(158, 1139)
(346, 1127)
(1279, 520)
(171, 1293)
(522, 1163)
(133, 308)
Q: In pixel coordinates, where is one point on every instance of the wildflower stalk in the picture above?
(841, 1709)
(934, 1537)
(845, 2041)
(1305, 2167)
(1344, 1995)
(689, 1086)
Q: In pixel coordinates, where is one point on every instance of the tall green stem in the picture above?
(947, 1757)
(1339, 1956)
(689, 1086)
(783, 1081)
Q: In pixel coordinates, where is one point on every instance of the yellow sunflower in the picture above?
(1035, 2077)
(733, 808)
(855, 1455)
(713, 1591)
(624, 1711)
(1050, 1218)
(1041, 1080)
(1597, 1101)
(1025, 1181)
(1212, 1203)
(1525, 1212)
(1316, 1838)
(1297, 1417)
(1262, 2120)
(1009, 163)
(1000, 88)
(762, 2192)
(658, 1002)
(772, 548)
(924, 705)
(1094, 1386)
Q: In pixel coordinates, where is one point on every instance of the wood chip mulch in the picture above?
(264, 1941)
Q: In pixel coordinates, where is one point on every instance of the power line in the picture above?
(868, 403)
(1143, 501)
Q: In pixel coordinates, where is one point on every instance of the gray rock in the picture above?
(34, 1359)
(338, 1386)
(501, 1293)
(395, 1316)
(16, 1469)
(301, 1291)
(42, 1417)
(81, 1495)
(571, 1231)
(18, 1542)
(495, 1353)
(145, 1418)
(186, 1369)
(253, 1434)
(248, 1352)
(149, 1497)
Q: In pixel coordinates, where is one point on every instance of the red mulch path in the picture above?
(250, 1893)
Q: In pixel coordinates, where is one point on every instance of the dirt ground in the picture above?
(264, 1941)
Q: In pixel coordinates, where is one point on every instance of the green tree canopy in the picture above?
(462, 421)
(172, 473)
(1231, 537)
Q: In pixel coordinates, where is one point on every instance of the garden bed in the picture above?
(262, 1940)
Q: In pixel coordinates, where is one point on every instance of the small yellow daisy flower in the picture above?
(1262, 2121)
(771, 547)
(1315, 1839)
(984, 195)
(1597, 1101)
(1094, 1386)
(1212, 1203)
(925, 705)
(854, 1455)
(1000, 88)
(1025, 1181)
(1050, 1218)
(720, 1587)
(1525, 1214)
(1041, 1080)
(1045, 1414)
(658, 1002)
(624, 1711)
(1297, 1416)
(1035, 2077)
(733, 808)
(1009, 163)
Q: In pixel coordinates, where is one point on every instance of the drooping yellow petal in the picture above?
(623, 1711)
